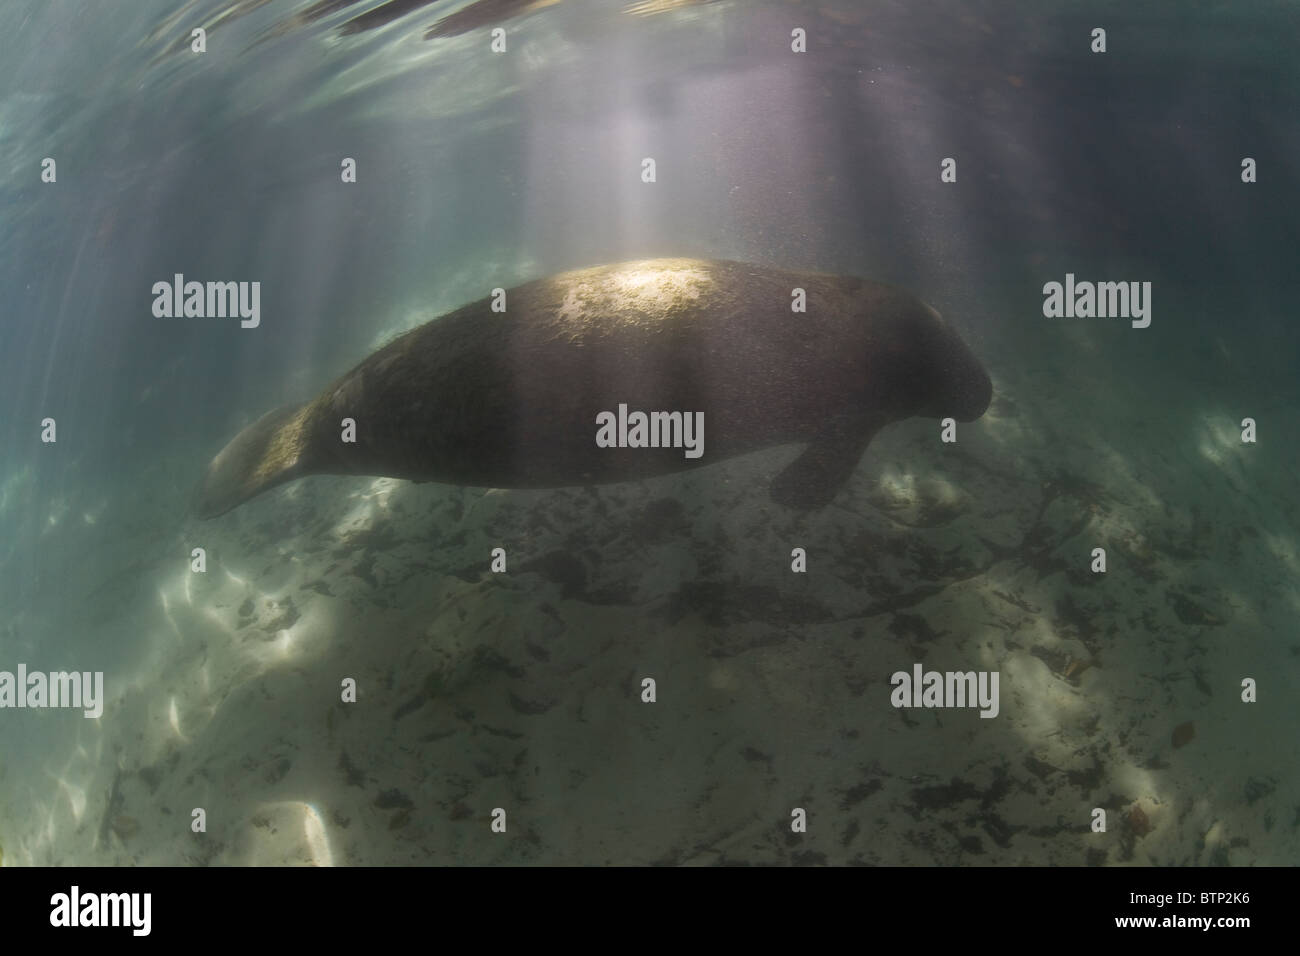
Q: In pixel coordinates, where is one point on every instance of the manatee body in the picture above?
(510, 399)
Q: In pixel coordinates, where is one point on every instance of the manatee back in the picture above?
(487, 398)
(480, 397)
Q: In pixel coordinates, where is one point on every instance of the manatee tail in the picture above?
(267, 453)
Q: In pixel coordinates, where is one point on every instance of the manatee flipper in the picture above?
(267, 453)
(813, 479)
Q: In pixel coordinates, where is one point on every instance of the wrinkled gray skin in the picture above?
(509, 400)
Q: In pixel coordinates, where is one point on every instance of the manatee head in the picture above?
(967, 388)
(934, 371)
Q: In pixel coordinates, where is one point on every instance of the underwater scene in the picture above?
(649, 432)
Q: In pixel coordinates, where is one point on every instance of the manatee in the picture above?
(510, 399)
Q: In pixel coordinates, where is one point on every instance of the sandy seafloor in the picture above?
(522, 690)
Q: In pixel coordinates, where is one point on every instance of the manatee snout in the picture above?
(972, 389)
(960, 385)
